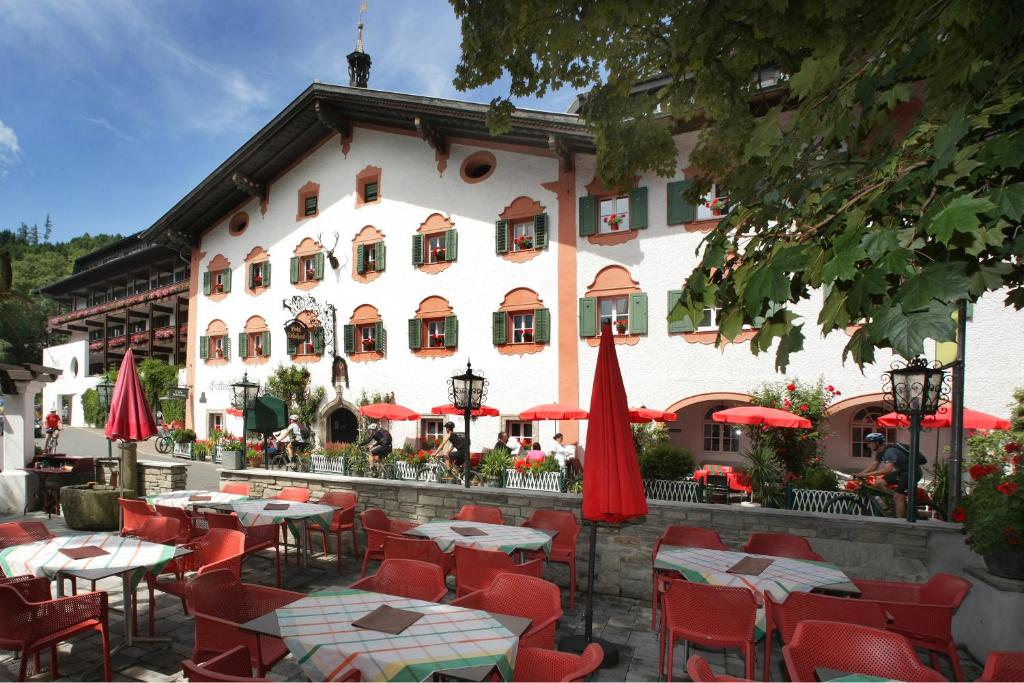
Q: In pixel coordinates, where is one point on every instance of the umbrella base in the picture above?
(577, 644)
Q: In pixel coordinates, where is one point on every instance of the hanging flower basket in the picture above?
(368, 344)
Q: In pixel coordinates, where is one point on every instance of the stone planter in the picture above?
(231, 460)
(1006, 564)
(88, 508)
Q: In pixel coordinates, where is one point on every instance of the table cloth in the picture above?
(180, 499)
(499, 536)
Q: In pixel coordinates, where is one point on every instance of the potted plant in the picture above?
(438, 339)
(615, 220)
(230, 449)
(257, 280)
(523, 242)
(255, 455)
(439, 253)
(200, 450)
(528, 335)
(493, 466)
(765, 473)
(368, 343)
(993, 514)
(621, 326)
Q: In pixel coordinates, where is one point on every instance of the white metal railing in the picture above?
(407, 472)
(545, 481)
(321, 463)
(682, 491)
(182, 450)
(838, 502)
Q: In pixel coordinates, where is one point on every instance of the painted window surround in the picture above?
(476, 159)
(308, 190)
(307, 247)
(520, 300)
(522, 209)
(431, 309)
(310, 321)
(368, 235)
(370, 174)
(253, 326)
(218, 264)
(365, 316)
(216, 329)
(598, 191)
(257, 255)
(613, 281)
(432, 227)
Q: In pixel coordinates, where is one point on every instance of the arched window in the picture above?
(863, 423)
(720, 437)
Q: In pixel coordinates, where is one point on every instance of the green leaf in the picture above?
(816, 71)
(879, 242)
(960, 215)
(941, 281)
(732, 323)
(861, 347)
(897, 262)
(765, 283)
(989, 277)
(906, 332)
(944, 147)
(868, 284)
(1009, 200)
(765, 136)
(834, 313)
(790, 343)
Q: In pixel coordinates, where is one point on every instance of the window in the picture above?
(519, 430)
(367, 338)
(255, 344)
(435, 334)
(477, 167)
(615, 310)
(614, 214)
(115, 331)
(214, 423)
(719, 437)
(217, 347)
(523, 237)
(431, 431)
(308, 268)
(308, 346)
(218, 282)
(863, 423)
(715, 204)
(239, 222)
(95, 335)
(522, 328)
(370, 193)
(309, 206)
(161, 320)
(710, 320)
(259, 275)
(435, 248)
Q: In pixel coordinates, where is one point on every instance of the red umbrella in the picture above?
(482, 411)
(759, 415)
(643, 414)
(943, 419)
(389, 411)
(553, 411)
(130, 417)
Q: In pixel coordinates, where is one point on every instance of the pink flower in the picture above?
(787, 403)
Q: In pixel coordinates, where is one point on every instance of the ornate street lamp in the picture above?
(916, 389)
(243, 396)
(467, 392)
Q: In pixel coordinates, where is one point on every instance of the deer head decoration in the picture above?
(330, 252)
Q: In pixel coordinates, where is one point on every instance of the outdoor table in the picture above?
(51, 479)
(782, 577)
(464, 643)
(180, 499)
(128, 557)
(501, 537)
(253, 512)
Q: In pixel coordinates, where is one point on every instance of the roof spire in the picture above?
(359, 27)
(359, 61)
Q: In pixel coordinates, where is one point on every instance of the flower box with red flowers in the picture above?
(438, 253)
(993, 512)
(523, 242)
(368, 344)
(615, 220)
(218, 289)
(310, 274)
(437, 339)
(257, 280)
(116, 342)
(96, 346)
(527, 335)
(717, 205)
(621, 327)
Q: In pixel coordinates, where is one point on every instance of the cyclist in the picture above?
(381, 440)
(892, 462)
(452, 446)
(52, 430)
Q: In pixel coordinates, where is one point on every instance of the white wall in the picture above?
(72, 381)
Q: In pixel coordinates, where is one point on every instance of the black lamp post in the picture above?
(916, 390)
(467, 392)
(244, 395)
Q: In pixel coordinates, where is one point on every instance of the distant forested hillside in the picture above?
(35, 262)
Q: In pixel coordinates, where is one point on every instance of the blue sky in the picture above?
(111, 111)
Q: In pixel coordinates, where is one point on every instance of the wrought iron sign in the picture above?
(323, 312)
(295, 330)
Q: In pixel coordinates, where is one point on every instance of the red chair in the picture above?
(156, 529)
(424, 550)
(475, 569)
(220, 602)
(1003, 666)
(854, 649)
(540, 664)
(923, 612)
(238, 488)
(681, 537)
(294, 494)
(798, 606)
(257, 538)
(344, 519)
(378, 526)
(521, 596)
(23, 533)
(190, 528)
(710, 616)
(31, 621)
(485, 514)
(781, 545)
(232, 666)
(563, 546)
(700, 671)
(134, 513)
(408, 579)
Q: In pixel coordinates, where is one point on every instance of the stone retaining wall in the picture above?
(154, 476)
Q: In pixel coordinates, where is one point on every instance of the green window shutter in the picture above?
(293, 347)
(588, 316)
(381, 253)
(638, 313)
(540, 231)
(243, 346)
(499, 328)
(417, 252)
(542, 326)
(318, 341)
(379, 336)
(451, 331)
(415, 338)
(295, 269)
(679, 210)
(266, 343)
(227, 347)
(227, 280)
(266, 273)
(318, 266)
(501, 236)
(206, 283)
(683, 324)
(248, 280)
(451, 245)
(638, 208)
(361, 259)
(350, 338)
(204, 348)
(588, 215)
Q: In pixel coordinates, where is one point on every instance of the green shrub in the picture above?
(993, 515)
(174, 411)
(495, 463)
(818, 478)
(93, 412)
(664, 461)
(647, 435)
(765, 472)
(183, 435)
(199, 449)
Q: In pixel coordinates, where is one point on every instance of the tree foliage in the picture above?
(884, 171)
(291, 384)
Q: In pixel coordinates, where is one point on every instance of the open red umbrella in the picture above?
(943, 419)
(554, 411)
(130, 417)
(643, 414)
(482, 411)
(760, 415)
(389, 411)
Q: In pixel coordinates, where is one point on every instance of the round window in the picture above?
(478, 166)
(239, 222)
(73, 368)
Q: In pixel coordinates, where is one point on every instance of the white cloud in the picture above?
(10, 150)
(103, 123)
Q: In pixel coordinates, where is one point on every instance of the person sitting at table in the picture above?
(536, 453)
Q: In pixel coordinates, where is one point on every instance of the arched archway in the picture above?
(342, 426)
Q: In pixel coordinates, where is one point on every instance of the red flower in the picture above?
(831, 389)
(1011, 535)
(1007, 488)
(1015, 461)
(790, 387)
(959, 514)
(787, 403)
(1012, 447)
(836, 392)
(979, 471)
(852, 485)
(803, 407)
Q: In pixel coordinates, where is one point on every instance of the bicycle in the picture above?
(282, 461)
(52, 439)
(163, 442)
(866, 499)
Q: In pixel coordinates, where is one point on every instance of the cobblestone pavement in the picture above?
(624, 622)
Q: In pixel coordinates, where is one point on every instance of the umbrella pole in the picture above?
(579, 643)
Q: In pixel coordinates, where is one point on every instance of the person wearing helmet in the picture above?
(892, 463)
(452, 447)
(381, 442)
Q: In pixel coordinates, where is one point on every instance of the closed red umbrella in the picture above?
(760, 415)
(973, 419)
(554, 411)
(130, 417)
(389, 411)
(643, 414)
(482, 411)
